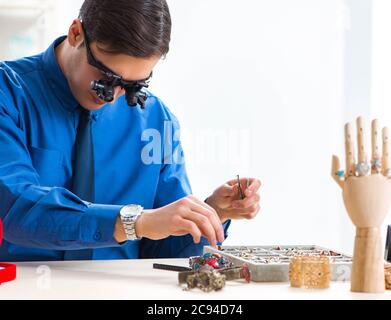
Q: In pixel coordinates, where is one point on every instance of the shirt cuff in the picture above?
(98, 224)
(226, 225)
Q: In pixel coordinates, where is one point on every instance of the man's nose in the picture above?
(118, 91)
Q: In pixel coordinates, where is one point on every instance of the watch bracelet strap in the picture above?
(130, 227)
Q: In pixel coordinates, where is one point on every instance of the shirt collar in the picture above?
(57, 81)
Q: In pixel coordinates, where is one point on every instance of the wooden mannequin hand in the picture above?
(367, 197)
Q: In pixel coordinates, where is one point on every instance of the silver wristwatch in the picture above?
(129, 215)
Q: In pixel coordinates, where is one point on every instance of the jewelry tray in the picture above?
(271, 263)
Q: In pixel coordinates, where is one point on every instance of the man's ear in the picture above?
(75, 34)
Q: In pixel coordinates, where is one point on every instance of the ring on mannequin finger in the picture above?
(362, 169)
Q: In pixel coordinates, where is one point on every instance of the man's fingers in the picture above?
(207, 211)
(245, 213)
(246, 202)
(253, 186)
(227, 190)
(249, 185)
(204, 224)
(349, 151)
(203, 204)
(187, 226)
(243, 182)
(194, 199)
(336, 173)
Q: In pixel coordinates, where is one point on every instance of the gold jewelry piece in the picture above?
(309, 272)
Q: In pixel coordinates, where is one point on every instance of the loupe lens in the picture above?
(104, 90)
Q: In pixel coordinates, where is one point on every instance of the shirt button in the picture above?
(97, 235)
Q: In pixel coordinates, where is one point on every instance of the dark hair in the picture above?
(138, 28)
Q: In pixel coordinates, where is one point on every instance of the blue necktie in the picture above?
(83, 182)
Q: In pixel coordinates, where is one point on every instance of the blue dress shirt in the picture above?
(42, 218)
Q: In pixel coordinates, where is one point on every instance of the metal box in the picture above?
(271, 263)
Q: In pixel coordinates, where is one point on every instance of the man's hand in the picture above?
(228, 204)
(187, 215)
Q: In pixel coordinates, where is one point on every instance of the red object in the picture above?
(213, 263)
(245, 273)
(7, 270)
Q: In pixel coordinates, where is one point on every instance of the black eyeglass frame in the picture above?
(104, 88)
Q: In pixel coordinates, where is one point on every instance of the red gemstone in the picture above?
(213, 263)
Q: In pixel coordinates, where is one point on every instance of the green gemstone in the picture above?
(340, 173)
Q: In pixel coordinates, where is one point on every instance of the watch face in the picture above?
(131, 210)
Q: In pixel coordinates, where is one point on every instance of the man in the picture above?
(75, 166)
